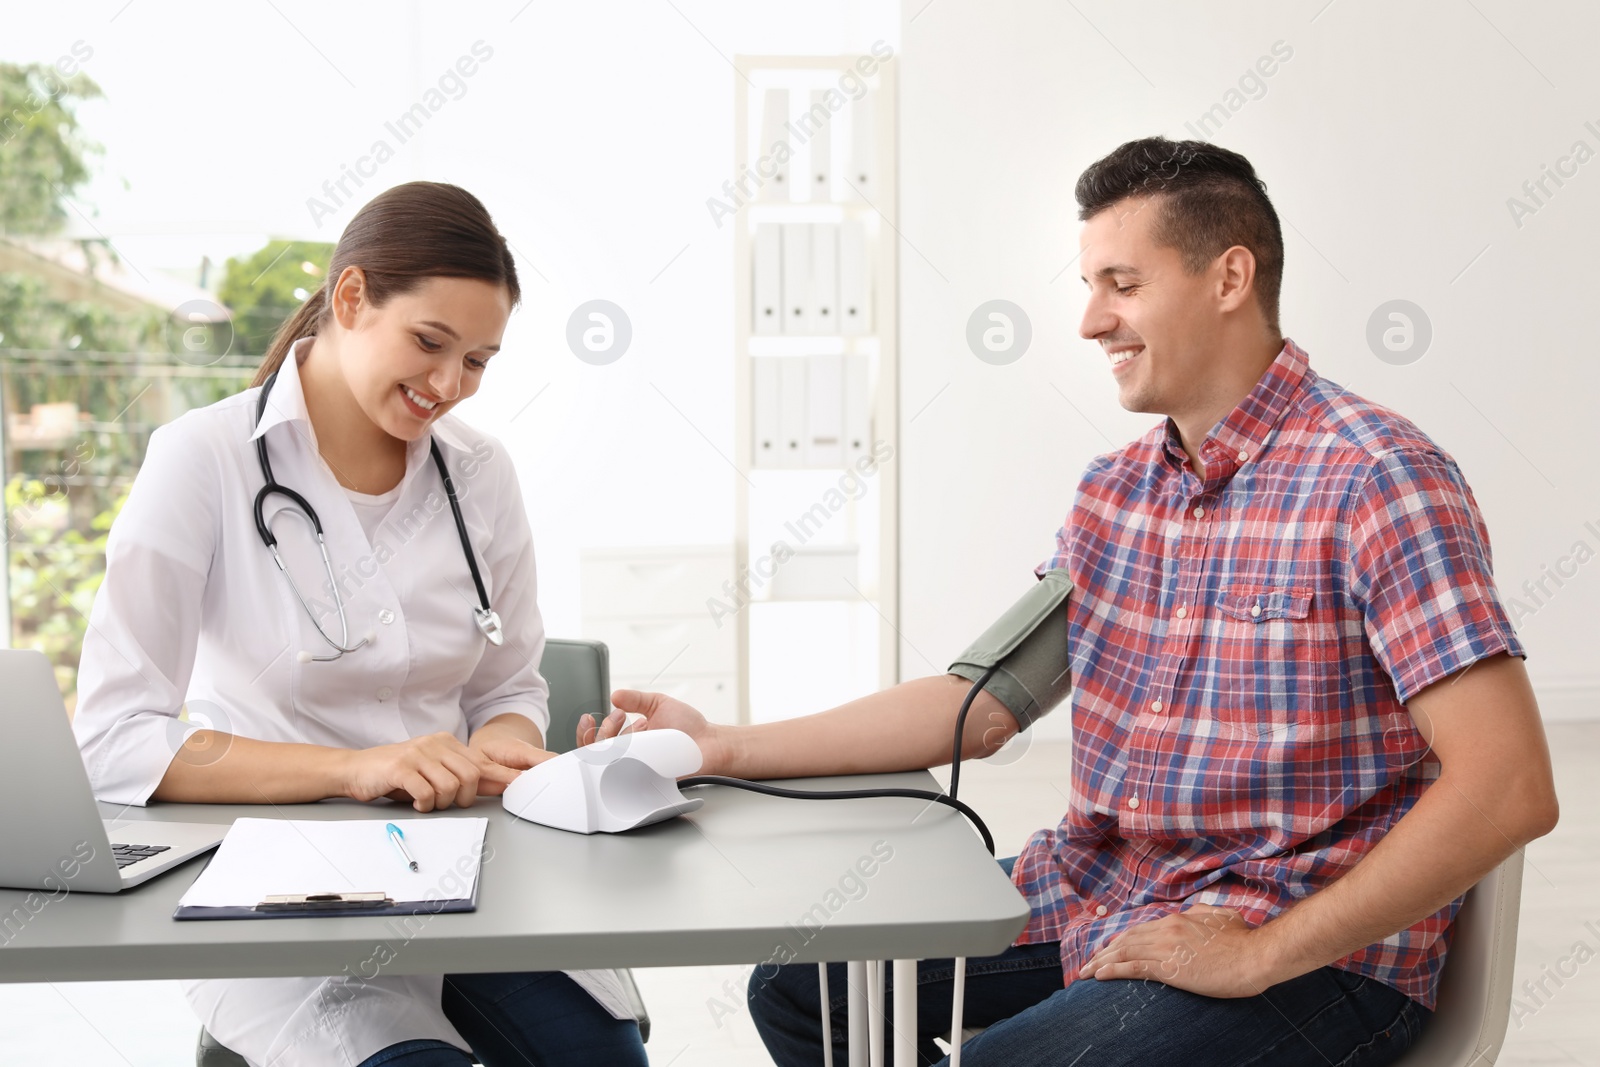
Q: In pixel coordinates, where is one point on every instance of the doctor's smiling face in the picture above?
(412, 358)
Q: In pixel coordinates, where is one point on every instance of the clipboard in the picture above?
(316, 905)
(285, 868)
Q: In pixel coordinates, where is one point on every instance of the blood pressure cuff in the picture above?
(1029, 643)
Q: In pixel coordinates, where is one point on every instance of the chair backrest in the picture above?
(1469, 1024)
(579, 674)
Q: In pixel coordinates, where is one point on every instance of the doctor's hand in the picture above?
(432, 771)
(510, 752)
(660, 712)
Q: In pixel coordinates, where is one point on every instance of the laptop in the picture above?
(51, 834)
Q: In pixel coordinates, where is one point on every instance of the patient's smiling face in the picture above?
(1155, 322)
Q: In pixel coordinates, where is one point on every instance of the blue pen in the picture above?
(398, 836)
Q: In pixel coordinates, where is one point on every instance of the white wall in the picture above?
(594, 133)
(1390, 142)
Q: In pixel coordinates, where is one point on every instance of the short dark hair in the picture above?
(1209, 200)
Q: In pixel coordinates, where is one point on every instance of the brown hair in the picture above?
(1210, 200)
(402, 237)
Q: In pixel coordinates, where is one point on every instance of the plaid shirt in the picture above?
(1242, 648)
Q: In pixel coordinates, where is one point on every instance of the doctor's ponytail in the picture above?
(401, 238)
(302, 323)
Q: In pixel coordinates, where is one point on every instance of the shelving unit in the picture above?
(860, 510)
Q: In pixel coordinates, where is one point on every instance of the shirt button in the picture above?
(1199, 512)
(386, 616)
(1183, 613)
(1155, 705)
(1244, 457)
(1255, 609)
(1101, 910)
(385, 693)
(1133, 802)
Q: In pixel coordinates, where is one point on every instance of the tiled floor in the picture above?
(146, 1024)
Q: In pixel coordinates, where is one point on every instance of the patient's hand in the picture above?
(1203, 949)
(660, 712)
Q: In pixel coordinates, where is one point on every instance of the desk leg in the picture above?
(957, 1003)
(827, 1016)
(875, 1017)
(905, 1013)
(856, 979)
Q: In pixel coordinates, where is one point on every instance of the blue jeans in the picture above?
(1326, 1017)
(542, 1018)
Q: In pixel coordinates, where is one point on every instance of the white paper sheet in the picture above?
(263, 857)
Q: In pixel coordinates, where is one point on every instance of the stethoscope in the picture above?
(486, 618)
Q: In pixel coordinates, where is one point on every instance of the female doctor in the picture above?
(402, 664)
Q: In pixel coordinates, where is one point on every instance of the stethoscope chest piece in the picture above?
(489, 622)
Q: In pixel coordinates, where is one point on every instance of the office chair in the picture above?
(579, 674)
(1469, 1023)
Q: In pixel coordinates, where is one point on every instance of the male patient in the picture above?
(1301, 724)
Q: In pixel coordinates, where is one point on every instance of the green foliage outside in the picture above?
(64, 489)
(43, 154)
(54, 577)
(261, 291)
(31, 319)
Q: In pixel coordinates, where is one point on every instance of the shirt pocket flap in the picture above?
(1258, 603)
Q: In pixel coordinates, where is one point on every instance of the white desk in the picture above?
(746, 879)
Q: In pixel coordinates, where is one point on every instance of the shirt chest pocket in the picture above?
(1258, 604)
(1270, 662)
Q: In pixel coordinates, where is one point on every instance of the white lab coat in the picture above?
(193, 609)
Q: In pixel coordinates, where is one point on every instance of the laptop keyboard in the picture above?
(128, 854)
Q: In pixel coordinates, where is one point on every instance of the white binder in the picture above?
(791, 410)
(766, 273)
(824, 445)
(774, 123)
(765, 413)
(857, 402)
(824, 289)
(855, 280)
(796, 277)
(821, 184)
(863, 171)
